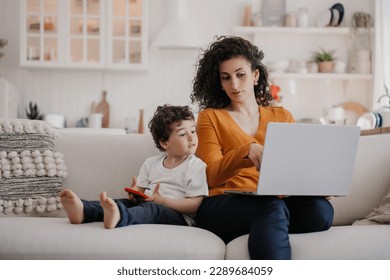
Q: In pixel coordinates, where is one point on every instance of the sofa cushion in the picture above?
(31, 171)
(380, 215)
(56, 238)
(366, 242)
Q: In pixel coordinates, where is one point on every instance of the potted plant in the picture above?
(325, 60)
(32, 112)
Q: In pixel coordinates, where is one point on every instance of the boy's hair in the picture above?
(164, 116)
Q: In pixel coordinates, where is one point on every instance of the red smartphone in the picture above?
(136, 193)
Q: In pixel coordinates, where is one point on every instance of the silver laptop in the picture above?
(307, 159)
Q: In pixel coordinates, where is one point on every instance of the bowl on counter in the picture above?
(278, 65)
(55, 120)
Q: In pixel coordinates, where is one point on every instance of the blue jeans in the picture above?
(268, 220)
(133, 214)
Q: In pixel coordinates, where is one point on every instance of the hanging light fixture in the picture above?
(179, 32)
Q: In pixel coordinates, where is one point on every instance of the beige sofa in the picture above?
(106, 161)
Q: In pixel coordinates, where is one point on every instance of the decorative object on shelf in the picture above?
(360, 47)
(353, 111)
(334, 115)
(293, 65)
(387, 94)
(325, 60)
(257, 19)
(340, 66)
(360, 19)
(278, 66)
(384, 116)
(303, 17)
(247, 20)
(95, 120)
(376, 119)
(291, 20)
(3, 43)
(337, 11)
(82, 122)
(312, 67)
(273, 12)
(331, 17)
(55, 120)
(379, 118)
(104, 108)
(347, 113)
(141, 122)
(32, 112)
(363, 61)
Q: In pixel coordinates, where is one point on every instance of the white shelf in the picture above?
(309, 95)
(250, 30)
(313, 76)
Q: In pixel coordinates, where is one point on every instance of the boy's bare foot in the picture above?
(111, 211)
(73, 206)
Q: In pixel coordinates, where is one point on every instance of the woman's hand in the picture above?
(256, 154)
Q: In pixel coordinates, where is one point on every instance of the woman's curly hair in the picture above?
(207, 89)
(164, 116)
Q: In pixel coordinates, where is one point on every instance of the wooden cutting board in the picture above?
(104, 108)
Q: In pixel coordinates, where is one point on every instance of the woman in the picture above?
(232, 90)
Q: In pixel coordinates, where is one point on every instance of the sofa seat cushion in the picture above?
(369, 242)
(56, 238)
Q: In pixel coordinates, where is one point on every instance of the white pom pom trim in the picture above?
(29, 205)
(26, 163)
(11, 126)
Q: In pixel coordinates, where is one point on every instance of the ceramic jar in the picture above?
(290, 20)
(303, 17)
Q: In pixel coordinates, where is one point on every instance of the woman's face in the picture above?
(238, 79)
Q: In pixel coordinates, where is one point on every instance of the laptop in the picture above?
(307, 159)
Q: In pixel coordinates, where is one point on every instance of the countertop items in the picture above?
(104, 108)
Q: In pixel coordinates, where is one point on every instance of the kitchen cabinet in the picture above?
(127, 34)
(309, 95)
(95, 34)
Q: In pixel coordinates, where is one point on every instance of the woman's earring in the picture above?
(256, 83)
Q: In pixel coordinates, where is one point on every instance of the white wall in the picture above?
(168, 79)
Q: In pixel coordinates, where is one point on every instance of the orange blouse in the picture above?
(224, 147)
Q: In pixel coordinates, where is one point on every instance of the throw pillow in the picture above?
(380, 215)
(31, 171)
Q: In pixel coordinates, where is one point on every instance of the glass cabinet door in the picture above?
(127, 29)
(86, 32)
(40, 43)
(101, 34)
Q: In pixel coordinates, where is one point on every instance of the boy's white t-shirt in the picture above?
(186, 180)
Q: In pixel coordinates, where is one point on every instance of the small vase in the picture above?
(325, 66)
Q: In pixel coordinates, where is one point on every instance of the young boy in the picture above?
(176, 180)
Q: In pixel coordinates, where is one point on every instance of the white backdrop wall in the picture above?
(169, 75)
